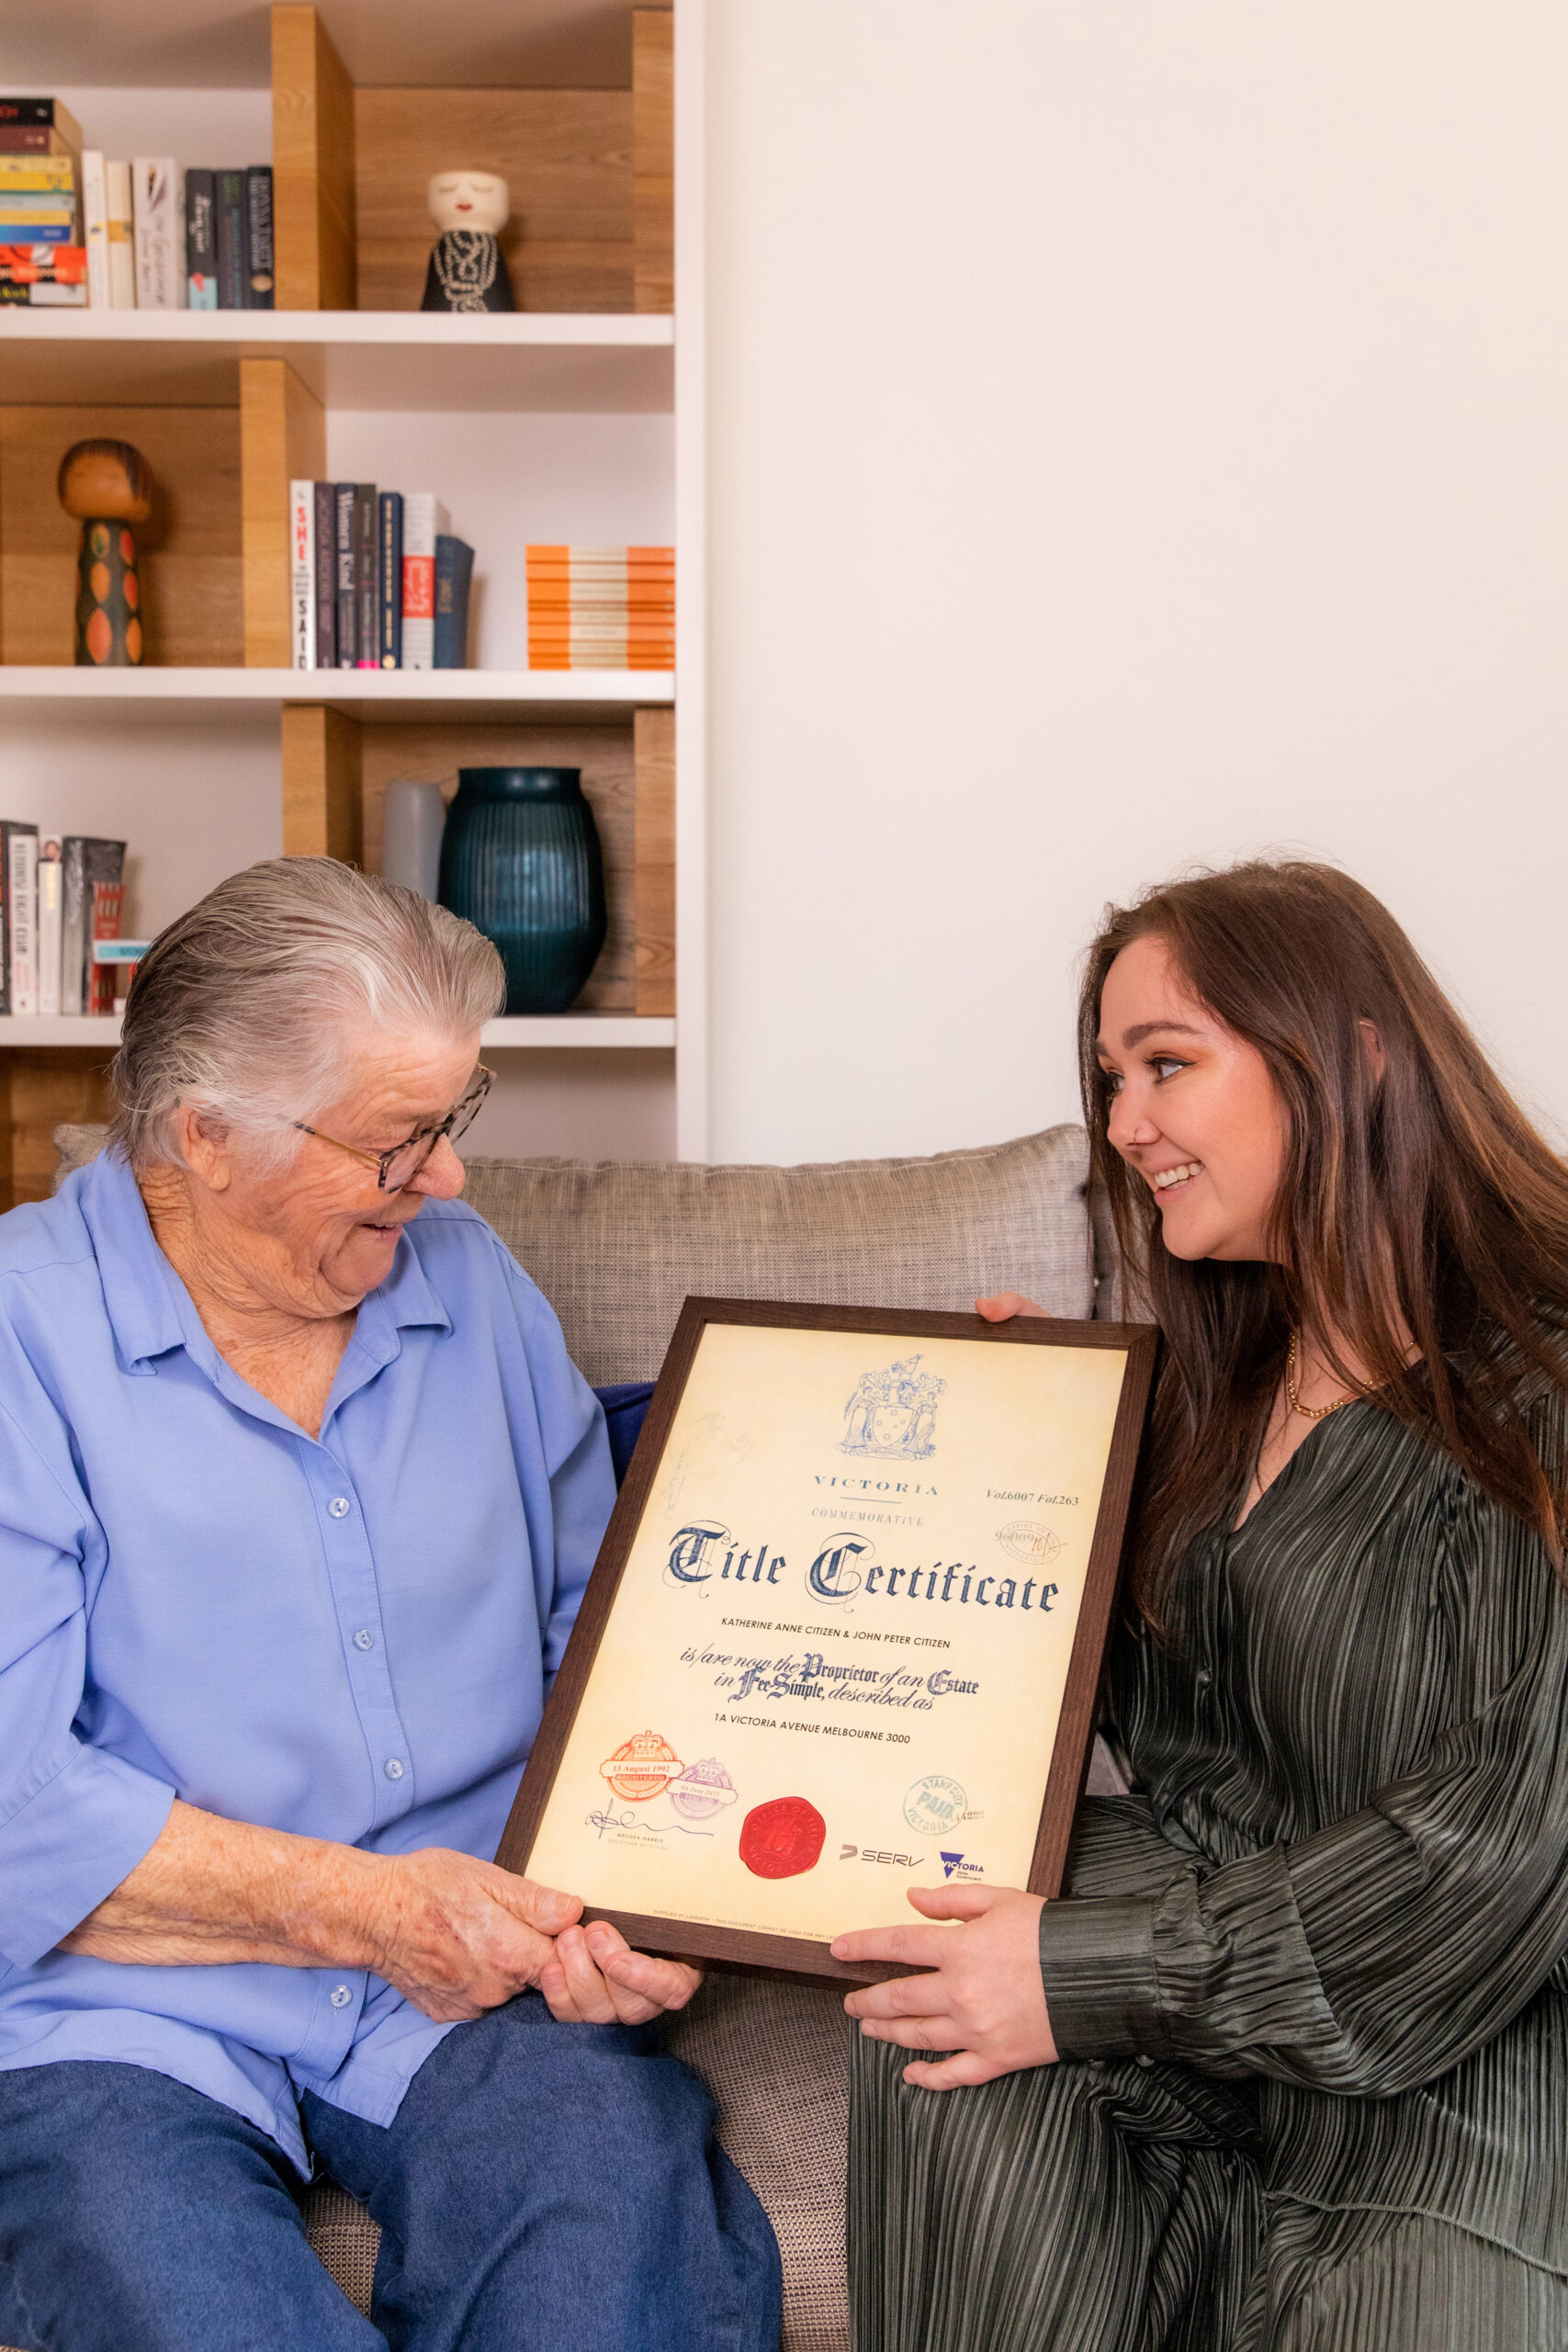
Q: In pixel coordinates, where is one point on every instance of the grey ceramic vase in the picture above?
(520, 857)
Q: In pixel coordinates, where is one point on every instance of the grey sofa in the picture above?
(616, 1247)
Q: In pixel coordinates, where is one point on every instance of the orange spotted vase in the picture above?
(108, 486)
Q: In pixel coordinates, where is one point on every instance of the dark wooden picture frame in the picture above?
(753, 1952)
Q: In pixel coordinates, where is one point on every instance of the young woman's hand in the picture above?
(983, 1998)
(1006, 1304)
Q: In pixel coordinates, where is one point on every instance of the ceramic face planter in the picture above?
(466, 271)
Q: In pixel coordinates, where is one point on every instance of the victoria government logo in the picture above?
(892, 1414)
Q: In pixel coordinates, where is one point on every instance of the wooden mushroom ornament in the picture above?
(107, 486)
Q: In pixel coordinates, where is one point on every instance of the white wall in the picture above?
(1139, 434)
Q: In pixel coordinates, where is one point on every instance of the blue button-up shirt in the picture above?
(348, 1636)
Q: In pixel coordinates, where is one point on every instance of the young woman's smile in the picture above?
(1194, 1108)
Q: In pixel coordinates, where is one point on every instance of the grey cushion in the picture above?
(616, 1246)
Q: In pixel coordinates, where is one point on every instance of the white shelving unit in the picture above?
(580, 1032)
(539, 425)
(365, 693)
(531, 362)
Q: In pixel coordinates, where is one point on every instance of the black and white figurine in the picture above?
(466, 271)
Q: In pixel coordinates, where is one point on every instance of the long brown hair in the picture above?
(1422, 1195)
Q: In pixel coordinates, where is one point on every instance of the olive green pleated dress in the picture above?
(1309, 1989)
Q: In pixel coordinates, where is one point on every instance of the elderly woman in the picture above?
(300, 1492)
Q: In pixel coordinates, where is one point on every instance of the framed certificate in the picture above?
(844, 1634)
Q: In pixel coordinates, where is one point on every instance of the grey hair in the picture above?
(239, 1007)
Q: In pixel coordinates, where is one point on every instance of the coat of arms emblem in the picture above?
(893, 1413)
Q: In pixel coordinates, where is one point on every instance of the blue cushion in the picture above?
(625, 1409)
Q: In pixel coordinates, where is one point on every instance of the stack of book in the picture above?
(228, 243)
(379, 582)
(43, 258)
(61, 898)
(161, 238)
(601, 608)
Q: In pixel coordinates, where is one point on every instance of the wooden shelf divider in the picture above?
(283, 438)
(323, 802)
(653, 157)
(312, 165)
(653, 761)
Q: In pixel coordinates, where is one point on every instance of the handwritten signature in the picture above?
(605, 1819)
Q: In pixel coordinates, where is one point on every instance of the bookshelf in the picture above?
(558, 421)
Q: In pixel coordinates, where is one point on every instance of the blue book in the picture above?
(36, 232)
(390, 569)
(454, 571)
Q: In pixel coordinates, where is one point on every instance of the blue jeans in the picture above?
(542, 2188)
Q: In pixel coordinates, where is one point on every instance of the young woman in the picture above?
(1288, 2067)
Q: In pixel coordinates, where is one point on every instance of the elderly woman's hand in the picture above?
(595, 1978)
(458, 1936)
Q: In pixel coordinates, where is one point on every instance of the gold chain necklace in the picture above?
(1310, 1412)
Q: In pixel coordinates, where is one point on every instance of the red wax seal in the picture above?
(781, 1839)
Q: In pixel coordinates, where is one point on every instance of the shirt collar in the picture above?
(142, 1290)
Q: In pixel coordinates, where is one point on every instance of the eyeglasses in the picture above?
(397, 1168)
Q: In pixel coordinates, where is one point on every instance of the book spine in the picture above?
(159, 201)
(11, 831)
(366, 585)
(5, 919)
(95, 227)
(346, 602)
(228, 203)
(424, 517)
(48, 934)
(108, 908)
(21, 900)
(303, 574)
(390, 638)
(326, 578)
(36, 232)
(258, 236)
(453, 569)
(47, 114)
(29, 139)
(201, 242)
(72, 922)
(122, 259)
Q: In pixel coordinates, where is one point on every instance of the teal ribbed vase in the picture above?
(520, 858)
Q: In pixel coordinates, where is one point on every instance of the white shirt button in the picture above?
(365, 1639)
(393, 1768)
(340, 1997)
(339, 1506)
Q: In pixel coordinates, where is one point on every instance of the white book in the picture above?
(158, 197)
(303, 574)
(96, 226)
(22, 891)
(425, 519)
(49, 874)
(119, 237)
